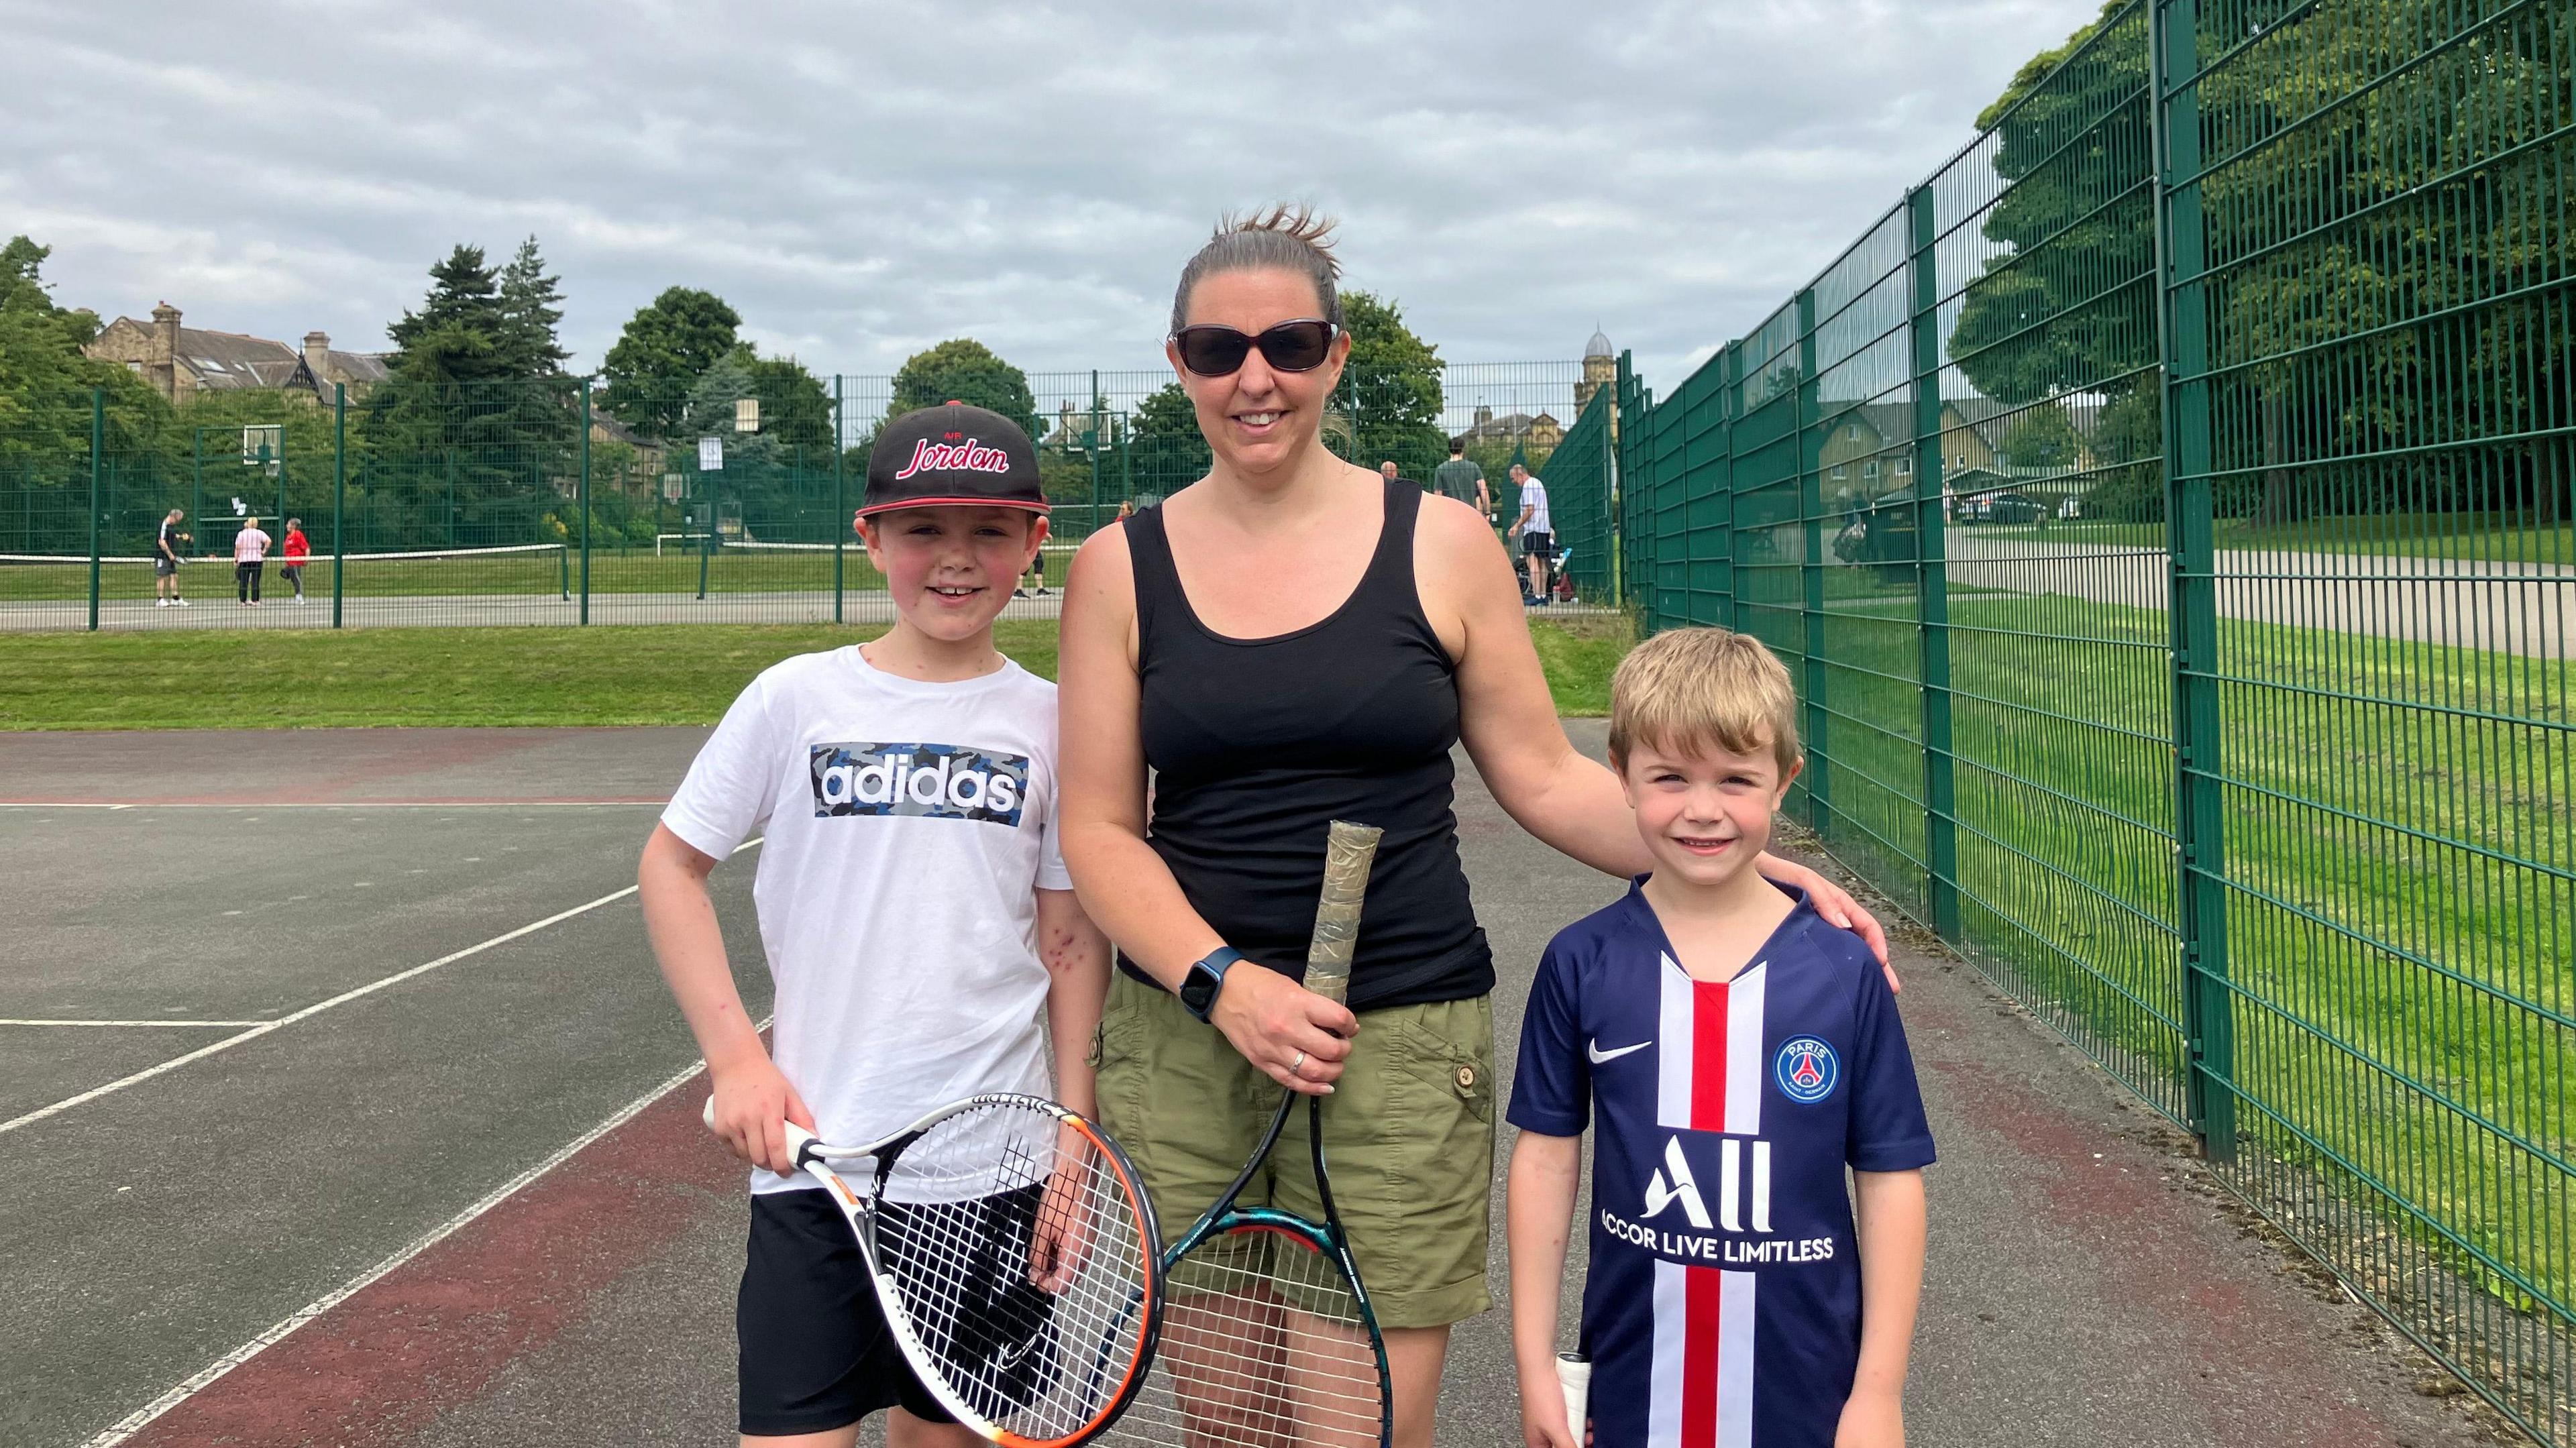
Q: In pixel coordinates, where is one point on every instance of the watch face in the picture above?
(1198, 990)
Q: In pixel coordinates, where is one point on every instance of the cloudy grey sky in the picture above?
(862, 179)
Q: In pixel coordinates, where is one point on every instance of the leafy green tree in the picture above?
(795, 406)
(1170, 451)
(965, 370)
(45, 389)
(2077, 312)
(2042, 438)
(665, 348)
(2356, 212)
(1391, 387)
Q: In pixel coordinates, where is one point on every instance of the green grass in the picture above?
(2396, 824)
(647, 674)
(661, 674)
(1578, 655)
(2481, 537)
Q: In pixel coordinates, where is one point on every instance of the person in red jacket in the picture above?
(293, 552)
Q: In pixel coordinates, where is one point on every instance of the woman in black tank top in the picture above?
(1288, 641)
(1258, 745)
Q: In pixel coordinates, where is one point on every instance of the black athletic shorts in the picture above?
(815, 1350)
(1542, 544)
(163, 565)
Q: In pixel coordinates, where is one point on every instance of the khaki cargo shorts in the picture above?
(1408, 1132)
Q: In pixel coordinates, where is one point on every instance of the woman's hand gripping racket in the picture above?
(1268, 1339)
(1013, 1252)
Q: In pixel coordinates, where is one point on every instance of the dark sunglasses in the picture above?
(1289, 347)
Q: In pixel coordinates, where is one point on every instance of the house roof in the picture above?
(227, 360)
(1508, 424)
(360, 366)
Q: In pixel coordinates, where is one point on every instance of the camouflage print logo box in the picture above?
(935, 781)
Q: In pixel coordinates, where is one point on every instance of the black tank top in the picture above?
(1258, 745)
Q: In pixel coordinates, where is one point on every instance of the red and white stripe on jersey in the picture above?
(1708, 1052)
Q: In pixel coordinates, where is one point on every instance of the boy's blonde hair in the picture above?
(1687, 689)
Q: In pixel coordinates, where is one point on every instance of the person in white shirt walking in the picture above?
(250, 558)
(1538, 538)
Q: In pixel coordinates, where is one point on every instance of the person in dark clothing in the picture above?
(1287, 641)
(166, 559)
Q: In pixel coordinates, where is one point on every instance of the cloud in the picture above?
(861, 180)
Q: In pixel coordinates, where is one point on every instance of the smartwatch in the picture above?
(1198, 988)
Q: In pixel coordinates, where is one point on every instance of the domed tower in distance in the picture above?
(1600, 369)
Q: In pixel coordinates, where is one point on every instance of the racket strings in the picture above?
(1263, 1346)
(1020, 1259)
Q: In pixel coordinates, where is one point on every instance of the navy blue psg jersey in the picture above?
(1722, 1308)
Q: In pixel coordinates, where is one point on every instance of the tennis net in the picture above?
(515, 569)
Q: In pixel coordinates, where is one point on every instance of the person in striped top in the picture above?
(1734, 1055)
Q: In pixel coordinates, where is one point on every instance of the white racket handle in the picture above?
(797, 1136)
(1574, 1374)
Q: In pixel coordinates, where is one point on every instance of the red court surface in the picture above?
(469, 1203)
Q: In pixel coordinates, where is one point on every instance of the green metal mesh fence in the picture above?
(2165, 512)
(1579, 480)
(561, 502)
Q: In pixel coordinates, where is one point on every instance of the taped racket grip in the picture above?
(1574, 1374)
(1348, 853)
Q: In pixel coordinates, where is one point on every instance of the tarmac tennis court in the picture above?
(340, 1104)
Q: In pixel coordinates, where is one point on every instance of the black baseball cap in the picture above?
(953, 456)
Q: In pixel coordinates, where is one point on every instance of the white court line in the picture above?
(317, 1008)
(134, 1422)
(13, 1021)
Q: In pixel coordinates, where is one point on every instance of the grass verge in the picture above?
(646, 674)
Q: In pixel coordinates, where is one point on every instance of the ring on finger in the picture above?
(1294, 1066)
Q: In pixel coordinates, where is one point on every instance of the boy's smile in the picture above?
(1705, 812)
(948, 566)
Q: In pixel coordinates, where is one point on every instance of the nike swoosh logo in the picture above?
(1598, 1055)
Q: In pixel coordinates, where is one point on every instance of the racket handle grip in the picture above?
(1574, 1374)
(1348, 853)
(797, 1137)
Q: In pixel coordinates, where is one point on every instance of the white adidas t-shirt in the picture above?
(908, 826)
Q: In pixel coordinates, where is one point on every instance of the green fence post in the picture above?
(1811, 504)
(339, 497)
(1610, 533)
(197, 484)
(97, 446)
(1931, 575)
(840, 496)
(585, 500)
(712, 504)
(2192, 612)
(1730, 410)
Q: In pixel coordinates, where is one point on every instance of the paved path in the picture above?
(2085, 1289)
(2514, 608)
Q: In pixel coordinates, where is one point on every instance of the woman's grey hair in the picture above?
(1290, 238)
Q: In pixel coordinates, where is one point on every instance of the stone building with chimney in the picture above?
(181, 362)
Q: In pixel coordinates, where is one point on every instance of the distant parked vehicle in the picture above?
(2002, 508)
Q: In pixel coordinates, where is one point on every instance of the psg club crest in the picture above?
(1806, 1069)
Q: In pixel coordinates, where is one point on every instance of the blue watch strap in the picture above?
(1207, 974)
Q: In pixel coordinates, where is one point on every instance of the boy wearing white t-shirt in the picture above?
(913, 905)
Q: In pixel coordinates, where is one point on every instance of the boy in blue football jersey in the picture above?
(1735, 1054)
